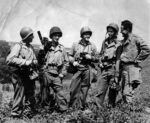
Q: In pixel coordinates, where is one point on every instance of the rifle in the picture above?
(46, 46)
(40, 37)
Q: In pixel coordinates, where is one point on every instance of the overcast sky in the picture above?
(70, 16)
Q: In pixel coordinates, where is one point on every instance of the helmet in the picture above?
(114, 26)
(54, 30)
(84, 30)
(25, 32)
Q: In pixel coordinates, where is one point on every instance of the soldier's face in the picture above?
(86, 36)
(56, 37)
(111, 32)
(124, 31)
(30, 38)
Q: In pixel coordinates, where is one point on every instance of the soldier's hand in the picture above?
(28, 62)
(61, 76)
(35, 62)
(75, 63)
(116, 79)
(101, 65)
(88, 56)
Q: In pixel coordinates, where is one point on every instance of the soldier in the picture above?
(82, 56)
(109, 70)
(56, 61)
(21, 59)
(135, 50)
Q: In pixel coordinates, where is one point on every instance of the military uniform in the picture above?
(134, 51)
(54, 67)
(108, 58)
(82, 78)
(109, 67)
(56, 62)
(21, 77)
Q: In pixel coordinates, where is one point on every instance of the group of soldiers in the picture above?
(118, 62)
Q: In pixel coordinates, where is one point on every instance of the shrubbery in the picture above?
(4, 71)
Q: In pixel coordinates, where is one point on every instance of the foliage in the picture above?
(122, 113)
(4, 48)
(4, 71)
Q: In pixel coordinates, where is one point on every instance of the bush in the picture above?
(4, 71)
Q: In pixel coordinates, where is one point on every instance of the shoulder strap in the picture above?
(20, 48)
(33, 49)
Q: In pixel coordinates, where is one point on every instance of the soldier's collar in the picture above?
(57, 48)
(24, 44)
(84, 43)
(114, 41)
(128, 39)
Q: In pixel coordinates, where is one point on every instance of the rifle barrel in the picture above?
(40, 36)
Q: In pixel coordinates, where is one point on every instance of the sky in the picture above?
(71, 16)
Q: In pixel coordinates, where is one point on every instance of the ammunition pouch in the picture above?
(33, 74)
(53, 68)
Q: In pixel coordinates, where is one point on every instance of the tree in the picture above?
(4, 71)
(4, 48)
